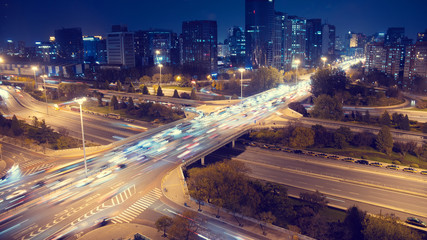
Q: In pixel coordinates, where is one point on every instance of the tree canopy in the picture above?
(328, 81)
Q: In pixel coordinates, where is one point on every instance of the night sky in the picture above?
(35, 20)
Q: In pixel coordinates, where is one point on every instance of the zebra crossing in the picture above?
(138, 207)
(28, 164)
(36, 169)
(123, 196)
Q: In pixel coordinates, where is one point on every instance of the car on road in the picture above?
(348, 159)
(287, 150)
(334, 157)
(415, 221)
(323, 155)
(361, 161)
(276, 148)
(252, 144)
(104, 173)
(376, 164)
(39, 184)
(16, 194)
(297, 151)
(393, 167)
(408, 169)
(423, 172)
(311, 153)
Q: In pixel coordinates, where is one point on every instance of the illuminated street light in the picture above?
(35, 68)
(297, 62)
(241, 70)
(80, 101)
(45, 90)
(157, 56)
(324, 61)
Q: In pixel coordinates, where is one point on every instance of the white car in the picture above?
(103, 173)
(16, 194)
(84, 182)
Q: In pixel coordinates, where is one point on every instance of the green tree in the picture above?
(346, 132)
(145, 79)
(315, 201)
(404, 123)
(193, 94)
(163, 223)
(119, 86)
(184, 226)
(322, 137)
(384, 141)
(175, 94)
(387, 227)
(145, 90)
(354, 222)
(131, 104)
(72, 90)
(265, 78)
(424, 128)
(328, 81)
(265, 218)
(16, 126)
(385, 119)
(302, 137)
(298, 107)
(114, 103)
(160, 92)
(327, 107)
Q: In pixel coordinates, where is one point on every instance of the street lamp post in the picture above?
(45, 91)
(160, 79)
(241, 70)
(80, 101)
(35, 68)
(1, 73)
(324, 61)
(297, 62)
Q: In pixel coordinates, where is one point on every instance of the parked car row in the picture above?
(324, 155)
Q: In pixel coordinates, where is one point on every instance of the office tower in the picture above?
(328, 41)
(237, 46)
(69, 42)
(153, 47)
(394, 35)
(199, 46)
(94, 49)
(259, 23)
(314, 41)
(296, 28)
(120, 47)
(46, 51)
(278, 39)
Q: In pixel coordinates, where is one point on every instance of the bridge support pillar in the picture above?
(202, 160)
(233, 143)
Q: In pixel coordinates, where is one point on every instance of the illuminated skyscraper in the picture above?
(314, 41)
(199, 46)
(69, 42)
(236, 43)
(259, 24)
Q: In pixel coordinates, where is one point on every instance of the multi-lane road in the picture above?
(61, 200)
(378, 190)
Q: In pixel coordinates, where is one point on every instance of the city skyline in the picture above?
(96, 19)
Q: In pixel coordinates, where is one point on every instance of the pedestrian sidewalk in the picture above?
(175, 189)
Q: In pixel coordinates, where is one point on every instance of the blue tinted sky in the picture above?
(37, 19)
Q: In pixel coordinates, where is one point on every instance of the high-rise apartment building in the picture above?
(376, 57)
(237, 46)
(314, 41)
(416, 60)
(259, 24)
(120, 47)
(69, 42)
(199, 46)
